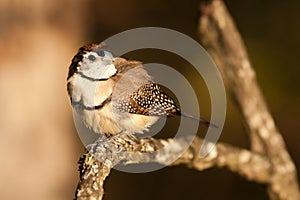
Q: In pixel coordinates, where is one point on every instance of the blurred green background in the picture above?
(39, 146)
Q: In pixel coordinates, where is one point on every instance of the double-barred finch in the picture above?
(113, 94)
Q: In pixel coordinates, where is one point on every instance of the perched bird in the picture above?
(114, 95)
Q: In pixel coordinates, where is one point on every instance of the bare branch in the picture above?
(95, 167)
(92, 176)
(220, 37)
(252, 166)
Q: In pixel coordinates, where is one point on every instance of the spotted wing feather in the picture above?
(150, 100)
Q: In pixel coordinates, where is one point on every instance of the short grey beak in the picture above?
(107, 60)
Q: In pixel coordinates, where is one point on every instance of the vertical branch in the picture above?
(92, 176)
(221, 38)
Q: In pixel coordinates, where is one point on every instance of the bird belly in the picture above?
(101, 121)
(105, 121)
(137, 123)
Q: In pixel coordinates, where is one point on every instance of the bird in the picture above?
(114, 95)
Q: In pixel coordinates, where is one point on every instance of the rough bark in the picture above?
(96, 165)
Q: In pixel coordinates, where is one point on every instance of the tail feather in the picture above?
(203, 121)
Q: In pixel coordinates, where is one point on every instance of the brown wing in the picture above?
(150, 100)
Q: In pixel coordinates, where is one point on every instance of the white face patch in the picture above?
(97, 67)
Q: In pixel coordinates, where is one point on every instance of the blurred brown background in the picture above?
(39, 147)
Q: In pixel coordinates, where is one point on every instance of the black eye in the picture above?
(91, 57)
(101, 53)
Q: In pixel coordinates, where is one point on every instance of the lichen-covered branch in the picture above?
(96, 165)
(220, 37)
(92, 176)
